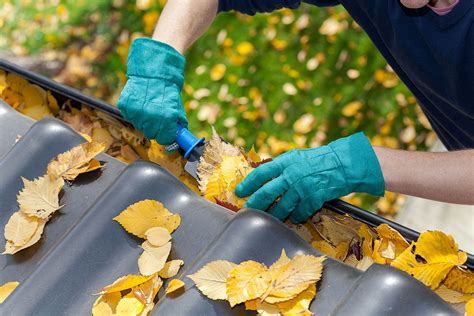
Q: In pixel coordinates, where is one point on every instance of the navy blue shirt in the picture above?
(432, 54)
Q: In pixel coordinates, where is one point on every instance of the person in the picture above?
(429, 44)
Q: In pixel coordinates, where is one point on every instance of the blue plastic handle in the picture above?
(186, 140)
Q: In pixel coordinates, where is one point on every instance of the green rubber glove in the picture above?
(151, 98)
(307, 178)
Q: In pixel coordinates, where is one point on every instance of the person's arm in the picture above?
(184, 21)
(442, 176)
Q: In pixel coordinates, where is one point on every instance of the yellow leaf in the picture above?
(11, 249)
(40, 197)
(37, 112)
(106, 304)
(211, 279)
(157, 236)
(247, 281)
(129, 306)
(461, 280)
(262, 308)
(367, 236)
(245, 48)
(75, 161)
(392, 242)
(300, 304)
(294, 278)
(170, 269)
(52, 103)
(452, 296)
(34, 95)
(431, 258)
(174, 285)
(16, 83)
(146, 292)
(20, 228)
(125, 283)
(342, 250)
(252, 155)
(153, 259)
(171, 162)
(102, 135)
(7, 289)
(141, 216)
(351, 108)
(217, 72)
(324, 247)
(470, 308)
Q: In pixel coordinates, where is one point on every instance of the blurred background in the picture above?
(277, 81)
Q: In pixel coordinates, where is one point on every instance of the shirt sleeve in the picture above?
(251, 7)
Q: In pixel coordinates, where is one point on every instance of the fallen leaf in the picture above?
(431, 258)
(461, 280)
(106, 304)
(129, 306)
(125, 283)
(153, 259)
(7, 289)
(20, 228)
(247, 281)
(294, 277)
(75, 161)
(174, 285)
(469, 308)
(143, 215)
(300, 304)
(157, 236)
(11, 249)
(40, 197)
(392, 242)
(170, 269)
(211, 279)
(452, 296)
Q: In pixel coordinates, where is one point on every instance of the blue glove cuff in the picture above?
(153, 59)
(361, 166)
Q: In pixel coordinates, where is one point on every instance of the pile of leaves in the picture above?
(134, 295)
(287, 287)
(39, 198)
(433, 259)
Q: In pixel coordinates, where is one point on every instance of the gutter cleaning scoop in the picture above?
(191, 147)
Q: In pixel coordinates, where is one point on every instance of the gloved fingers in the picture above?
(267, 194)
(167, 131)
(258, 177)
(123, 100)
(307, 207)
(286, 205)
(136, 99)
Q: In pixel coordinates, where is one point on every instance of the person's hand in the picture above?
(151, 98)
(306, 178)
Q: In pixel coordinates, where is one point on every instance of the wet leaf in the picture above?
(7, 289)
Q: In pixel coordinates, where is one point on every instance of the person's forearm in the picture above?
(441, 176)
(183, 21)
